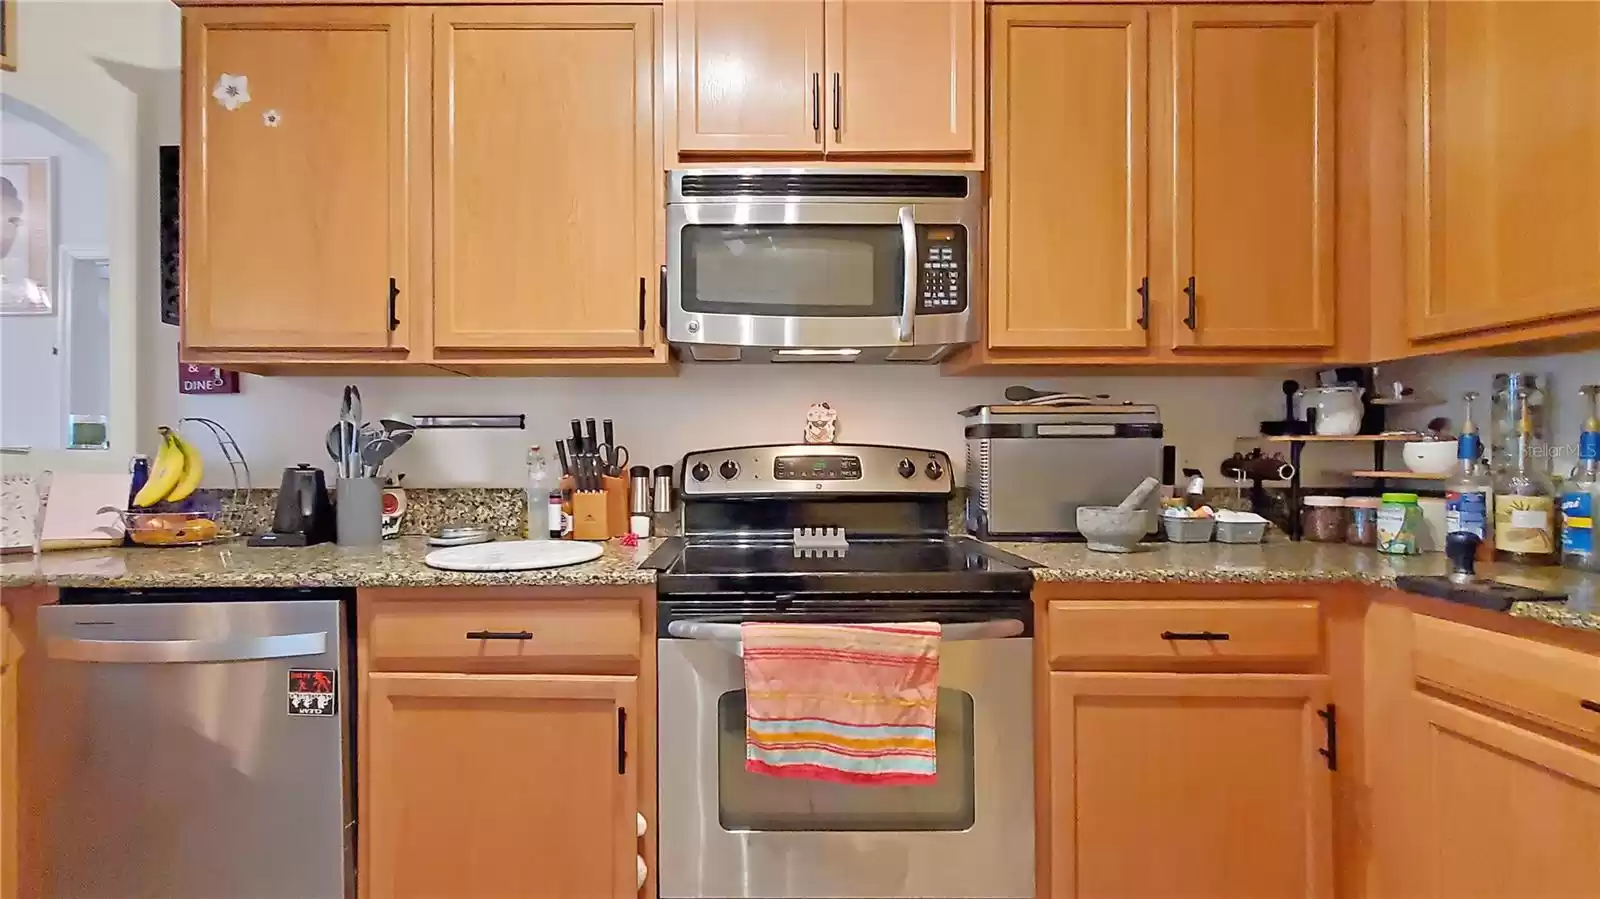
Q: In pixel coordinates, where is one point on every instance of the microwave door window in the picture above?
(793, 270)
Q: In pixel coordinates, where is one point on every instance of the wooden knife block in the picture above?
(599, 515)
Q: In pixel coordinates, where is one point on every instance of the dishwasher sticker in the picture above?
(313, 692)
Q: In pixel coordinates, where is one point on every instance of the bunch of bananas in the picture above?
(176, 473)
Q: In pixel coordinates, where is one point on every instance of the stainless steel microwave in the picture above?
(814, 265)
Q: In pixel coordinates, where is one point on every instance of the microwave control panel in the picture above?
(942, 272)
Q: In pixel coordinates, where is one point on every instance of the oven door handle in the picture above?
(908, 303)
(996, 629)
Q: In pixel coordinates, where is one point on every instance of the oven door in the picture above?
(791, 274)
(726, 832)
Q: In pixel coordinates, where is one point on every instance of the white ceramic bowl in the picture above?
(1430, 456)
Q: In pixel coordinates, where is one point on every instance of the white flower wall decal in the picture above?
(271, 118)
(232, 91)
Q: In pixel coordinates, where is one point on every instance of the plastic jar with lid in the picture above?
(1399, 524)
(1362, 529)
(1323, 518)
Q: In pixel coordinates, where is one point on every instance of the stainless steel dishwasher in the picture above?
(204, 743)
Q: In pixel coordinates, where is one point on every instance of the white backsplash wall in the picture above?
(1449, 377)
(282, 421)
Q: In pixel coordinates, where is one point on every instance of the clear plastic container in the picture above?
(1362, 515)
(1324, 519)
(1241, 531)
(1399, 524)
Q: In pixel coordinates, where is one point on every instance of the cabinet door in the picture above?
(1496, 810)
(1253, 219)
(749, 76)
(1067, 192)
(8, 760)
(545, 210)
(1504, 186)
(1206, 786)
(900, 75)
(486, 787)
(294, 200)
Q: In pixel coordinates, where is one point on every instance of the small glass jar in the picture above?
(1399, 524)
(1362, 529)
(1323, 518)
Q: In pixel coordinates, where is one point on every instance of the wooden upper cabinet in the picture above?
(900, 75)
(1206, 786)
(749, 76)
(808, 78)
(1067, 209)
(1253, 215)
(295, 191)
(1504, 182)
(1493, 809)
(492, 786)
(545, 177)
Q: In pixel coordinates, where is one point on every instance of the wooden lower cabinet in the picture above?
(1204, 786)
(8, 759)
(493, 786)
(1495, 809)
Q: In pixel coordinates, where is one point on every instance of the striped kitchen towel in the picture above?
(848, 703)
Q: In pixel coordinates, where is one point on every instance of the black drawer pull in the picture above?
(499, 635)
(1590, 704)
(1192, 635)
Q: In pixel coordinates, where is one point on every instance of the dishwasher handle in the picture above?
(997, 629)
(145, 652)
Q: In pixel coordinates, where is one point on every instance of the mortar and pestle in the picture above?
(1119, 528)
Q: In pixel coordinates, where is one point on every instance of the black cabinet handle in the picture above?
(641, 305)
(1144, 303)
(1193, 318)
(394, 305)
(1193, 635)
(499, 635)
(816, 104)
(1330, 721)
(1590, 704)
(622, 741)
(838, 108)
(662, 299)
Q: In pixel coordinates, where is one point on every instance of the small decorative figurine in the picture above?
(822, 423)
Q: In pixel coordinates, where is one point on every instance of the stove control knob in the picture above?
(934, 469)
(729, 469)
(700, 471)
(907, 468)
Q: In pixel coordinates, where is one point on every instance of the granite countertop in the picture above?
(397, 563)
(1286, 562)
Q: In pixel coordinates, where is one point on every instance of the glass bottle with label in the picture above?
(1469, 495)
(1524, 502)
(1582, 496)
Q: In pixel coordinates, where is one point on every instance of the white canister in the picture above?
(1339, 409)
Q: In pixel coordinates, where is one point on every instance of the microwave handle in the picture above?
(908, 236)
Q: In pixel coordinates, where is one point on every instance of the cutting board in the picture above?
(72, 516)
(513, 555)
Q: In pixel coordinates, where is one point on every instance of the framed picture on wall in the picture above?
(28, 237)
(8, 35)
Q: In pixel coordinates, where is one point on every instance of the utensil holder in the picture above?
(589, 515)
(617, 512)
(358, 512)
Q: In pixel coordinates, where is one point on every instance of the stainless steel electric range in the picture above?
(839, 533)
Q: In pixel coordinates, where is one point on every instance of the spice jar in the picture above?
(1323, 518)
(1399, 523)
(1362, 512)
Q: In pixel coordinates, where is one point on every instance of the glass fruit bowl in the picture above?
(171, 528)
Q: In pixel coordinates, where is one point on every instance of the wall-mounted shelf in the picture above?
(1399, 475)
(1378, 474)
(1358, 438)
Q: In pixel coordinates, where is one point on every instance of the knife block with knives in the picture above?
(594, 475)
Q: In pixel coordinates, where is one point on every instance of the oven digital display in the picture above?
(817, 468)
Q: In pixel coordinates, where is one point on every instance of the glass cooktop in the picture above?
(949, 564)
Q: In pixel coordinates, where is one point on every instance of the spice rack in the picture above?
(1378, 474)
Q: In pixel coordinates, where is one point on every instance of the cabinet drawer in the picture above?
(1548, 685)
(518, 636)
(1160, 634)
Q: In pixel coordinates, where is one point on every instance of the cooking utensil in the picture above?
(561, 453)
(613, 458)
(591, 440)
(1020, 394)
(376, 451)
(335, 443)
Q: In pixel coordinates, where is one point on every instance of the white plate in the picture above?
(513, 555)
